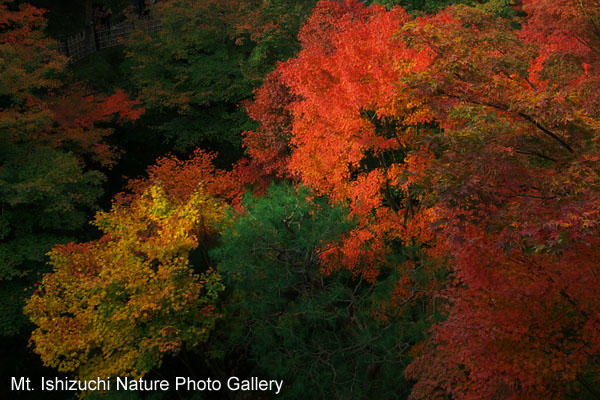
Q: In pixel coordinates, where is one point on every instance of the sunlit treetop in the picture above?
(118, 305)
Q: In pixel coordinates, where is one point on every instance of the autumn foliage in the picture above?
(54, 152)
(117, 305)
(434, 211)
(42, 104)
(477, 144)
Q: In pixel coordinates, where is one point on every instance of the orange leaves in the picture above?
(417, 164)
(459, 139)
(348, 66)
(43, 104)
(180, 179)
(365, 192)
(27, 18)
(269, 145)
(452, 139)
(81, 119)
(119, 104)
(340, 119)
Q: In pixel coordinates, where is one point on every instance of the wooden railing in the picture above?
(76, 46)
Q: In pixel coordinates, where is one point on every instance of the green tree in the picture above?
(324, 334)
(418, 7)
(207, 59)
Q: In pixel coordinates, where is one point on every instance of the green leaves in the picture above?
(317, 331)
(207, 59)
(46, 196)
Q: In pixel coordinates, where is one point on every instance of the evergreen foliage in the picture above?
(318, 332)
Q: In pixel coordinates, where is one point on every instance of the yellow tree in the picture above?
(117, 305)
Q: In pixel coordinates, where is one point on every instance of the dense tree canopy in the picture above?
(115, 306)
(51, 130)
(414, 212)
(326, 335)
(206, 61)
(416, 118)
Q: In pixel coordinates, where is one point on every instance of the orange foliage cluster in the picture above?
(337, 119)
(44, 106)
(470, 144)
(457, 142)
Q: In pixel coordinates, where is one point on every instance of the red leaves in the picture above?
(452, 139)
(514, 245)
(120, 104)
(565, 26)
(517, 327)
(181, 178)
(269, 146)
(45, 105)
(82, 120)
(337, 118)
(16, 26)
(507, 195)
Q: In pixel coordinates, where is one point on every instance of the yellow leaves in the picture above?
(116, 305)
(159, 205)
